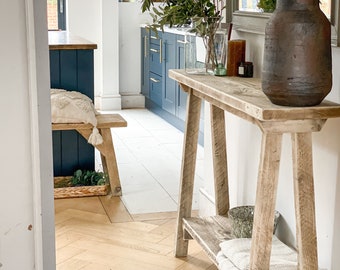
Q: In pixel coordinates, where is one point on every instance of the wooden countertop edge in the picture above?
(64, 40)
(73, 46)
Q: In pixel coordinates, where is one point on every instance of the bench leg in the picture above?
(108, 157)
(110, 162)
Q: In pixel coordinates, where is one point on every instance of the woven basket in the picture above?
(81, 191)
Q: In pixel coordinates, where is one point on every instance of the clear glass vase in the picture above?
(194, 54)
(206, 55)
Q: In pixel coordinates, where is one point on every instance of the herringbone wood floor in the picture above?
(97, 233)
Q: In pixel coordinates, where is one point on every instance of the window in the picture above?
(325, 6)
(248, 5)
(249, 18)
(251, 5)
(56, 14)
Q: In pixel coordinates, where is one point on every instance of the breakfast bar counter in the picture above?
(64, 40)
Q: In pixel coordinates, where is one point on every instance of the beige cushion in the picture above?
(74, 107)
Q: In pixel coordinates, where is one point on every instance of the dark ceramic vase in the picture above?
(297, 63)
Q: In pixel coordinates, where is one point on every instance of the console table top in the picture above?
(245, 95)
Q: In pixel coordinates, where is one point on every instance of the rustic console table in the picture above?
(244, 98)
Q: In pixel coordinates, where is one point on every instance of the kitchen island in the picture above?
(71, 68)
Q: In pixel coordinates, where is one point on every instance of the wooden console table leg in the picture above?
(187, 171)
(304, 201)
(219, 152)
(265, 201)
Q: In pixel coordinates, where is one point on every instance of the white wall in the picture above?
(97, 21)
(115, 27)
(130, 19)
(90, 29)
(244, 140)
(26, 208)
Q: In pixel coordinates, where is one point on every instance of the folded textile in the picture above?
(224, 263)
(238, 253)
(75, 107)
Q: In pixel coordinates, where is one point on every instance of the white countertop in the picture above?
(174, 30)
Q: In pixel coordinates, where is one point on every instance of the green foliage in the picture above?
(88, 178)
(205, 15)
(267, 5)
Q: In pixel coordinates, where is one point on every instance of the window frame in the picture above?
(61, 14)
(255, 22)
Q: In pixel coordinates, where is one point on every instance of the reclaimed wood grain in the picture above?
(265, 201)
(187, 171)
(209, 232)
(304, 201)
(245, 95)
(219, 153)
(292, 126)
(244, 98)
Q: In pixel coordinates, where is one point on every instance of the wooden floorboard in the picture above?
(98, 233)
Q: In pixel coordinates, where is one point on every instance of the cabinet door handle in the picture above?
(181, 41)
(154, 50)
(154, 80)
(153, 37)
(160, 51)
(145, 47)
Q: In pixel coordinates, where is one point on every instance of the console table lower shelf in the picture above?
(209, 232)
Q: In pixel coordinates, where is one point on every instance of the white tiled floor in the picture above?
(149, 153)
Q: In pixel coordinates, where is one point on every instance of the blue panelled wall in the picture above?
(72, 70)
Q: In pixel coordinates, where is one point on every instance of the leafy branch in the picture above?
(204, 16)
(88, 178)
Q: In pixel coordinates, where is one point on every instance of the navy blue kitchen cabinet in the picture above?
(71, 69)
(163, 95)
(155, 67)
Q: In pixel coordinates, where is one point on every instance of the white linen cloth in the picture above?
(236, 253)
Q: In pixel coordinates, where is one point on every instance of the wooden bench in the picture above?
(106, 149)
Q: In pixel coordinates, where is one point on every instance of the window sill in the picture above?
(255, 23)
(250, 22)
